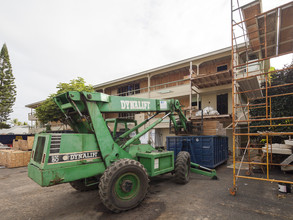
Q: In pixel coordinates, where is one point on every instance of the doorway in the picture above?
(222, 104)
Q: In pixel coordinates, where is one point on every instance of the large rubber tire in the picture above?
(182, 167)
(123, 185)
(80, 185)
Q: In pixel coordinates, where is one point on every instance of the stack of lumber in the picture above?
(213, 128)
(19, 155)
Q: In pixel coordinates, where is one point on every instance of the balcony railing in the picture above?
(169, 84)
(133, 92)
(251, 69)
(155, 87)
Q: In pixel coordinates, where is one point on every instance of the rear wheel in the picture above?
(123, 185)
(182, 167)
(83, 185)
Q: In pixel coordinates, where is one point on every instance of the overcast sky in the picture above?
(58, 40)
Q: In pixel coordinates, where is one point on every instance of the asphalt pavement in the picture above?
(201, 198)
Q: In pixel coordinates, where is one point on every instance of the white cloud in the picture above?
(55, 41)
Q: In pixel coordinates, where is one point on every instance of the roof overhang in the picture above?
(271, 32)
(35, 104)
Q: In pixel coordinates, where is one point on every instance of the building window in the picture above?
(127, 115)
(222, 68)
(130, 89)
(195, 104)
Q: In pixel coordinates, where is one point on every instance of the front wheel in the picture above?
(123, 185)
(182, 167)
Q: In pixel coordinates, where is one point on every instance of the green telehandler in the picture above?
(107, 154)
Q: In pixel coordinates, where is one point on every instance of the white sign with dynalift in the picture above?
(135, 105)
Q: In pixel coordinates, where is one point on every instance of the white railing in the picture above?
(154, 87)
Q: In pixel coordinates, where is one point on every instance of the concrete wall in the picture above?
(209, 100)
(171, 92)
(163, 133)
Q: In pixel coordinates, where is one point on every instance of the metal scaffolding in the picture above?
(256, 38)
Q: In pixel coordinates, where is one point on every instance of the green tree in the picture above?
(7, 86)
(15, 121)
(3, 125)
(281, 106)
(49, 111)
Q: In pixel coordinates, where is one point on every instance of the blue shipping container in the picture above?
(208, 151)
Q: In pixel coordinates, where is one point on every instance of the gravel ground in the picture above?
(201, 198)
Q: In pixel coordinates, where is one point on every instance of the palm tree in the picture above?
(15, 121)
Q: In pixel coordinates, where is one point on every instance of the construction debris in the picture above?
(207, 111)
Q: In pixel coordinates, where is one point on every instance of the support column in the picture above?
(197, 95)
(149, 85)
(190, 94)
(149, 96)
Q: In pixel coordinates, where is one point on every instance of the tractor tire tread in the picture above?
(104, 191)
(182, 163)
